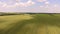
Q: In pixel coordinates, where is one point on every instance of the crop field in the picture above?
(30, 24)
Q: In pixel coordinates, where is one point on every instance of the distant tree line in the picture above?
(4, 14)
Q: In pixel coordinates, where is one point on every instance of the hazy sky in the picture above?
(46, 6)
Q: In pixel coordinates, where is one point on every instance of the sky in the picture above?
(32, 6)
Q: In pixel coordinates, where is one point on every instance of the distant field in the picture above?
(30, 24)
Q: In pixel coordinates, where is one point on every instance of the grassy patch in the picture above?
(30, 24)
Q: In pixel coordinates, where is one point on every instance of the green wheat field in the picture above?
(30, 24)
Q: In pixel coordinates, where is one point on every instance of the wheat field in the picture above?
(30, 24)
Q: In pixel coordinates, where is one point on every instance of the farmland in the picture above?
(30, 24)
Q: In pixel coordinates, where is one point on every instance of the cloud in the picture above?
(46, 9)
(41, 6)
(18, 4)
(41, 0)
(50, 9)
(47, 2)
(56, 5)
(28, 3)
(4, 5)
